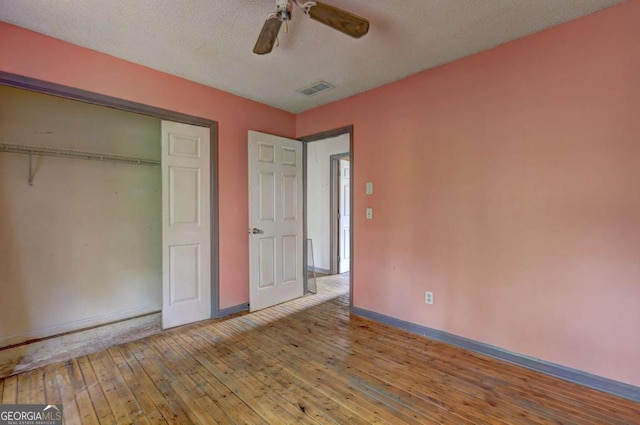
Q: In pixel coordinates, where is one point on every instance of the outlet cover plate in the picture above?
(428, 297)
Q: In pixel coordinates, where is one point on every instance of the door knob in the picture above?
(256, 231)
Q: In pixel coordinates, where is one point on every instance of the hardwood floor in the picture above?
(59, 348)
(305, 362)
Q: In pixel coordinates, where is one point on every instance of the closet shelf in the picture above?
(68, 153)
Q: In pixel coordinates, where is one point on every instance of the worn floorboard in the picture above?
(305, 362)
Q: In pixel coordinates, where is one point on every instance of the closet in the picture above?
(80, 215)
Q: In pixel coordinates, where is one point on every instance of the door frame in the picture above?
(46, 87)
(305, 141)
(334, 205)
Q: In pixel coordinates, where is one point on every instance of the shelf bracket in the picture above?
(30, 168)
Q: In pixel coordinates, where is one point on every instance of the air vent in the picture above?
(316, 88)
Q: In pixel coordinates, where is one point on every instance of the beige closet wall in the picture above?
(82, 246)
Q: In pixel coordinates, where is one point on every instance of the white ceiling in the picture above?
(211, 41)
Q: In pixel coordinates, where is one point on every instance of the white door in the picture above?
(275, 220)
(186, 247)
(344, 238)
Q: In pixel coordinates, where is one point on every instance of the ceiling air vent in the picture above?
(316, 88)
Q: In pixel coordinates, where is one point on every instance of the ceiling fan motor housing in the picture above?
(283, 9)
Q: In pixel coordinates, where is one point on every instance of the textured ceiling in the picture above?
(211, 41)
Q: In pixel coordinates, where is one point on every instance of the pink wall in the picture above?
(34, 55)
(509, 184)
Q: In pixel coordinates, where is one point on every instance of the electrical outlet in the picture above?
(369, 213)
(428, 297)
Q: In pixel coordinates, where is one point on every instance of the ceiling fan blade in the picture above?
(339, 19)
(267, 37)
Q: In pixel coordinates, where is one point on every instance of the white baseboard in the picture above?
(318, 270)
(75, 325)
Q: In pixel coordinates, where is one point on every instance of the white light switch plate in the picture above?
(369, 213)
(368, 188)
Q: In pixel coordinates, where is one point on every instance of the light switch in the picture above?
(369, 213)
(369, 188)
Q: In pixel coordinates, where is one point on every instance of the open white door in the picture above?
(186, 247)
(275, 220)
(344, 238)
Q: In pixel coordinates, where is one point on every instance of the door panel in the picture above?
(289, 265)
(183, 279)
(289, 197)
(186, 245)
(184, 195)
(267, 195)
(267, 261)
(275, 219)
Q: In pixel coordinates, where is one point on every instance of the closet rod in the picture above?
(67, 153)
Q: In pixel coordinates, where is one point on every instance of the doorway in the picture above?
(328, 226)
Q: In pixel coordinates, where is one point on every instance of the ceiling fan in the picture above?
(331, 16)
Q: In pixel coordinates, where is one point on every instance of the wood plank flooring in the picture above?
(27, 356)
(305, 362)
